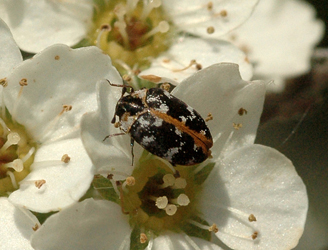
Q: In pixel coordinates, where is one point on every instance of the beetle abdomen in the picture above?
(166, 140)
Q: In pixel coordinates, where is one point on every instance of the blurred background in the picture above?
(295, 122)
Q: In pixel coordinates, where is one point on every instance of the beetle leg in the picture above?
(108, 136)
(132, 154)
(124, 86)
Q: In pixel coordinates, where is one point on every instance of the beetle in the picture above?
(163, 125)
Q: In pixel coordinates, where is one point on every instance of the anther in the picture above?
(210, 30)
(180, 183)
(130, 181)
(65, 158)
(143, 238)
(183, 200)
(209, 117)
(161, 202)
(209, 6)
(39, 183)
(4, 82)
(171, 209)
(149, 7)
(237, 126)
(166, 86)
(254, 235)
(242, 111)
(168, 180)
(16, 164)
(23, 82)
(223, 13)
(36, 227)
(251, 218)
(213, 228)
(12, 139)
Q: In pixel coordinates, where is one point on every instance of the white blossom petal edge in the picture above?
(38, 24)
(16, 227)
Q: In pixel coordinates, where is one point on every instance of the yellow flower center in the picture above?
(158, 199)
(16, 154)
(131, 32)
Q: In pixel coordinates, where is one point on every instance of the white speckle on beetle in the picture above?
(143, 123)
(147, 139)
(164, 108)
(158, 122)
(178, 132)
(169, 154)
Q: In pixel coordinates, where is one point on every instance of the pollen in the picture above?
(39, 183)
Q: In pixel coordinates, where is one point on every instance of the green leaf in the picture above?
(202, 175)
(135, 243)
(105, 188)
(195, 231)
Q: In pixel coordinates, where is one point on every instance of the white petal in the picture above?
(173, 241)
(195, 16)
(115, 152)
(57, 76)
(39, 24)
(86, 225)
(65, 183)
(10, 55)
(261, 181)
(279, 37)
(219, 90)
(173, 64)
(15, 226)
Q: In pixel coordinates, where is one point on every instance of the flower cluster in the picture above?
(62, 158)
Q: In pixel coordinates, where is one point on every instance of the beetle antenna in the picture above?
(124, 86)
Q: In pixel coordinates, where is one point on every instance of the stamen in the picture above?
(31, 217)
(39, 183)
(130, 71)
(149, 7)
(241, 214)
(12, 139)
(192, 62)
(191, 242)
(213, 228)
(180, 183)
(52, 124)
(162, 27)
(16, 164)
(12, 178)
(162, 202)
(130, 6)
(120, 12)
(45, 164)
(101, 41)
(29, 154)
(171, 209)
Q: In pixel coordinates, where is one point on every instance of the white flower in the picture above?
(44, 166)
(135, 33)
(279, 39)
(17, 226)
(38, 24)
(250, 193)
